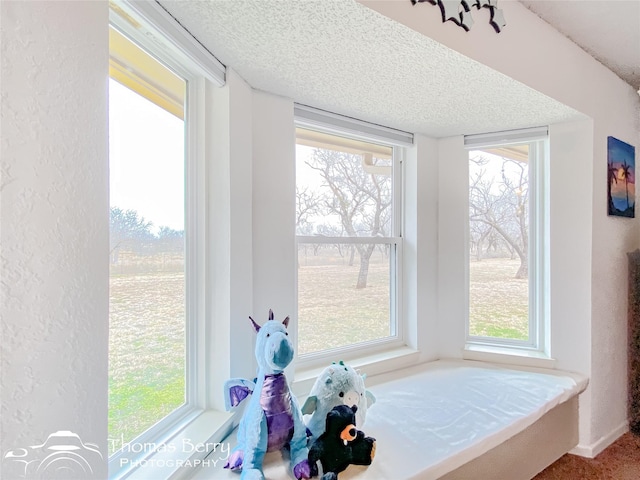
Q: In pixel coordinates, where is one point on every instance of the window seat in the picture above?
(460, 419)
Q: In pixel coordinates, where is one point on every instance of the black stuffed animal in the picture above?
(341, 444)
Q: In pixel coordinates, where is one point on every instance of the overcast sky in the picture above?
(146, 158)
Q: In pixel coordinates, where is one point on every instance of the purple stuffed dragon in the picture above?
(272, 419)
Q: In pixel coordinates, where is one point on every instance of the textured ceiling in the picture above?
(341, 56)
(608, 30)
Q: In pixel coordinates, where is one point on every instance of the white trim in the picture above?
(397, 258)
(121, 460)
(327, 122)
(539, 303)
(508, 137)
(538, 257)
(187, 447)
(352, 353)
(347, 240)
(593, 450)
(196, 286)
(507, 355)
(161, 34)
(373, 363)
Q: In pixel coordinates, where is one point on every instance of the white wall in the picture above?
(273, 211)
(570, 236)
(452, 227)
(253, 185)
(230, 231)
(570, 227)
(421, 246)
(531, 52)
(55, 211)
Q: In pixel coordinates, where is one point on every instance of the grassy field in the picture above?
(332, 313)
(498, 302)
(146, 352)
(147, 332)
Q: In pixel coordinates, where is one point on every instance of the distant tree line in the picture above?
(130, 232)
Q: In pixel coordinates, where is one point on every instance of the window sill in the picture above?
(509, 356)
(186, 449)
(371, 364)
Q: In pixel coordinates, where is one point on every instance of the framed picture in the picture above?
(621, 181)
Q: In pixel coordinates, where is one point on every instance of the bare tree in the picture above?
(479, 232)
(307, 205)
(360, 200)
(502, 205)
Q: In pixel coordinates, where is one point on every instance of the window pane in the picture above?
(332, 312)
(499, 243)
(343, 189)
(147, 269)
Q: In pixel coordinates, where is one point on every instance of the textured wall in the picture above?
(54, 231)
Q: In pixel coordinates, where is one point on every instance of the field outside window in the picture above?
(505, 245)
(147, 318)
(347, 244)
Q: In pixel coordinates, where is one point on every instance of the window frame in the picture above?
(538, 242)
(148, 26)
(325, 122)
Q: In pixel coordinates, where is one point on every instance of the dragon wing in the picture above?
(236, 390)
(310, 405)
(371, 398)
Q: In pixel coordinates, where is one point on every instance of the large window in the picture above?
(147, 314)
(507, 256)
(349, 241)
(158, 85)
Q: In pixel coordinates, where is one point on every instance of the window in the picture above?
(349, 243)
(158, 214)
(147, 294)
(507, 240)
(147, 342)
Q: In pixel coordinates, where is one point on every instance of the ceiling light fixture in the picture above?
(459, 12)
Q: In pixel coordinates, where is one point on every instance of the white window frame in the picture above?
(148, 25)
(331, 123)
(538, 254)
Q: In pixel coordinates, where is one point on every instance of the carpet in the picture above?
(619, 461)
